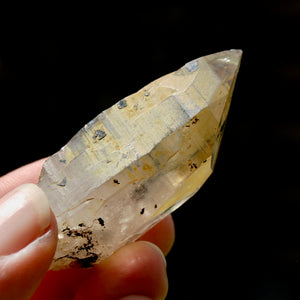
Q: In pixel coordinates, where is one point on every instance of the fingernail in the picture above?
(158, 250)
(135, 297)
(24, 216)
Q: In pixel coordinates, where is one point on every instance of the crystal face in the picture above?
(139, 160)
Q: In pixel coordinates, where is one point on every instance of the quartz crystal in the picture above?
(139, 160)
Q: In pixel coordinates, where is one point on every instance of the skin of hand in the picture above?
(28, 233)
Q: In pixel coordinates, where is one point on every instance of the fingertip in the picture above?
(24, 215)
(158, 251)
(162, 234)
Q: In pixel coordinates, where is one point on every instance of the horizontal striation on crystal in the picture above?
(139, 160)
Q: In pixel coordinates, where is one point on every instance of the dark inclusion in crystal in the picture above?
(121, 104)
(101, 221)
(63, 182)
(99, 134)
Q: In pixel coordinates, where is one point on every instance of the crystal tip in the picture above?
(238, 52)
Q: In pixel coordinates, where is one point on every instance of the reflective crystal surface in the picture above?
(139, 160)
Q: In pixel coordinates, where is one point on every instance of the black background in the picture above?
(61, 66)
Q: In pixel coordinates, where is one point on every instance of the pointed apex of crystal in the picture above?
(225, 65)
(139, 160)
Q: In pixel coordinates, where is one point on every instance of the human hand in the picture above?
(28, 234)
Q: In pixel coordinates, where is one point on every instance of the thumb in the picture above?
(28, 237)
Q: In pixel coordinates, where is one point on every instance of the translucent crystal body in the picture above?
(139, 160)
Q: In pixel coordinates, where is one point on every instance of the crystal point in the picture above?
(139, 160)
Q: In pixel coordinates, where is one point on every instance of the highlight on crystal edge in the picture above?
(139, 160)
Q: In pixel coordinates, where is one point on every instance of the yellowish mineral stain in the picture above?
(188, 189)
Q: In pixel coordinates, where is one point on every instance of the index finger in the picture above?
(27, 174)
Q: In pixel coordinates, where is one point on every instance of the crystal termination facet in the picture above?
(139, 160)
